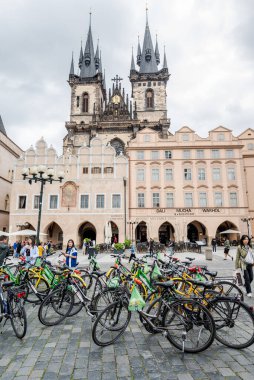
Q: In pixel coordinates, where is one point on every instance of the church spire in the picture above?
(165, 65)
(132, 62)
(88, 69)
(157, 53)
(97, 57)
(80, 56)
(138, 53)
(72, 66)
(148, 60)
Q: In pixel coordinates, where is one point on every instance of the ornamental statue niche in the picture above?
(69, 194)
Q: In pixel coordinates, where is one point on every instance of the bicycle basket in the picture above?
(136, 301)
(113, 282)
(156, 272)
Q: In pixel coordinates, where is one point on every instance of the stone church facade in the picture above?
(126, 174)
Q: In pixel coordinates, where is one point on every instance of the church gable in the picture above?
(248, 134)
(185, 129)
(220, 129)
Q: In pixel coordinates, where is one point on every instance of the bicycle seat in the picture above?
(190, 258)
(7, 284)
(98, 273)
(204, 284)
(166, 284)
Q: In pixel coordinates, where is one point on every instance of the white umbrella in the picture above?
(106, 233)
(23, 233)
(109, 232)
(2, 233)
(230, 232)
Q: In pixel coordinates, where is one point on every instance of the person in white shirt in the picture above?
(30, 250)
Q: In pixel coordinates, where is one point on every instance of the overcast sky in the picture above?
(209, 46)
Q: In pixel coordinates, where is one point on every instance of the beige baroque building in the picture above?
(126, 174)
(9, 152)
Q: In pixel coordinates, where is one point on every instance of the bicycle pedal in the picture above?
(164, 333)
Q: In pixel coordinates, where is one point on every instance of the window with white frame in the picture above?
(53, 201)
(168, 174)
(100, 201)
(202, 199)
(84, 201)
(156, 200)
(140, 174)
(140, 155)
(36, 202)
(141, 200)
(200, 153)
(146, 138)
(231, 174)
(233, 199)
(216, 174)
(155, 174)
(188, 201)
(229, 153)
(169, 199)
(218, 202)
(168, 154)
(155, 155)
(221, 137)
(22, 201)
(215, 153)
(201, 174)
(186, 153)
(116, 201)
(187, 174)
(186, 137)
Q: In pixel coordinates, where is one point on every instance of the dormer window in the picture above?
(85, 102)
(148, 55)
(149, 98)
(87, 58)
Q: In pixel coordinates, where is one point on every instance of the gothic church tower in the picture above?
(148, 82)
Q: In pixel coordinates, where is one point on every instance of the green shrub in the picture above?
(127, 243)
(118, 246)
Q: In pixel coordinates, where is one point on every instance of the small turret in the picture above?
(132, 62)
(157, 53)
(138, 53)
(72, 66)
(97, 57)
(80, 57)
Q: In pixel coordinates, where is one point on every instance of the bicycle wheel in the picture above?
(18, 318)
(189, 325)
(104, 298)
(111, 323)
(228, 289)
(93, 285)
(56, 307)
(41, 286)
(77, 304)
(156, 312)
(234, 322)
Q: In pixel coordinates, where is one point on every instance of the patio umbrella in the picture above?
(106, 233)
(109, 232)
(23, 233)
(2, 233)
(230, 232)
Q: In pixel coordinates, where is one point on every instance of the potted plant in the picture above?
(118, 248)
(127, 243)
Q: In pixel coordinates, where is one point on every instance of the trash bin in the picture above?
(208, 254)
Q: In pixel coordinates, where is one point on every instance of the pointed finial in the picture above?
(146, 13)
(90, 17)
(72, 66)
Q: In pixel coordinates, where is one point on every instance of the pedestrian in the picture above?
(226, 250)
(151, 246)
(71, 254)
(133, 253)
(84, 246)
(214, 244)
(242, 250)
(4, 249)
(15, 249)
(30, 250)
(19, 246)
(40, 249)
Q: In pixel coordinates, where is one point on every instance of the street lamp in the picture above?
(132, 224)
(41, 174)
(124, 184)
(247, 220)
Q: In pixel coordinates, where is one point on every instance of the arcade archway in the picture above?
(166, 233)
(225, 226)
(196, 231)
(54, 233)
(141, 232)
(87, 230)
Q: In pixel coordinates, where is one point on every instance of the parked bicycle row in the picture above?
(188, 304)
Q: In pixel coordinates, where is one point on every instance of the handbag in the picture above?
(249, 259)
(238, 275)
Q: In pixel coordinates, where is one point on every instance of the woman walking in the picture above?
(241, 253)
(71, 254)
(226, 250)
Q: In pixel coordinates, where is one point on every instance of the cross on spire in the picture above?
(117, 79)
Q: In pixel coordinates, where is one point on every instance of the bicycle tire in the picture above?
(234, 322)
(107, 323)
(42, 287)
(56, 306)
(152, 309)
(185, 320)
(18, 318)
(103, 299)
(77, 304)
(229, 289)
(93, 285)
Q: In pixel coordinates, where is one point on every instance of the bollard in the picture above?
(208, 254)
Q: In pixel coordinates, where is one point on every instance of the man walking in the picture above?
(214, 244)
(4, 249)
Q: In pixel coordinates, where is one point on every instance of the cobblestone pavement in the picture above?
(67, 351)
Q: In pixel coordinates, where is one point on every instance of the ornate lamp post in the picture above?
(43, 175)
(247, 220)
(132, 224)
